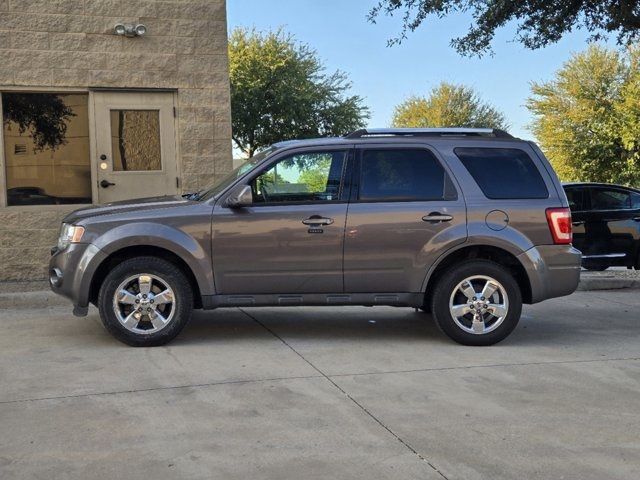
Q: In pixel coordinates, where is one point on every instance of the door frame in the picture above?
(220, 207)
(453, 199)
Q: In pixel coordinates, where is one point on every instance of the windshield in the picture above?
(222, 184)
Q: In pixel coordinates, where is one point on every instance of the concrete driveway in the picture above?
(327, 393)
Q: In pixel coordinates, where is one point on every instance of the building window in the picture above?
(46, 148)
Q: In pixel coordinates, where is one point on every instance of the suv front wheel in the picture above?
(477, 303)
(145, 301)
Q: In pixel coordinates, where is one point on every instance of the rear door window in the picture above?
(403, 175)
(610, 199)
(504, 173)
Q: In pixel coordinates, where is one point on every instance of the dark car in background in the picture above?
(606, 224)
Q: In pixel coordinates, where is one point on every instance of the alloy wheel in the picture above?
(144, 304)
(479, 304)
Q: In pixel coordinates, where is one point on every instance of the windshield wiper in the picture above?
(192, 195)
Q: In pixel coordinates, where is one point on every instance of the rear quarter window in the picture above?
(503, 173)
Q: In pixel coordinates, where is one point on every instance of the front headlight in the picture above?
(69, 234)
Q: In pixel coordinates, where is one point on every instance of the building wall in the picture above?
(69, 44)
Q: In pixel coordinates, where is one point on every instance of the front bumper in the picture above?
(553, 270)
(71, 271)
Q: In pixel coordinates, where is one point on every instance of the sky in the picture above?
(385, 76)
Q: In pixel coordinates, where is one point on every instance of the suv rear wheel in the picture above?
(145, 301)
(477, 303)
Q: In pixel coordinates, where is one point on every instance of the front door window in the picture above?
(309, 177)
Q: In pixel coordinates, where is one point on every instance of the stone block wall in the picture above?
(70, 43)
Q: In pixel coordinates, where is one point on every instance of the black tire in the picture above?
(594, 266)
(449, 281)
(171, 275)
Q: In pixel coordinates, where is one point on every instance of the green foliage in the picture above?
(44, 115)
(316, 177)
(448, 106)
(587, 119)
(540, 22)
(280, 91)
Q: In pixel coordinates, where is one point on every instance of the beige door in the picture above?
(135, 145)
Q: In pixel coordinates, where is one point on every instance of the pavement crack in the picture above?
(406, 444)
(157, 389)
(618, 302)
(490, 365)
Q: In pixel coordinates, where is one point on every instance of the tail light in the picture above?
(559, 220)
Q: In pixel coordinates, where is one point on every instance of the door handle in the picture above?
(106, 184)
(636, 219)
(436, 217)
(317, 220)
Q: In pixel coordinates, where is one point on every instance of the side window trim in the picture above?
(348, 149)
(357, 174)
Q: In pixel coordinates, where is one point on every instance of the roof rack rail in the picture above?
(429, 132)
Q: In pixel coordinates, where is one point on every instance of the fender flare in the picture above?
(516, 248)
(162, 236)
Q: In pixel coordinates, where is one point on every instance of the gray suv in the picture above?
(467, 224)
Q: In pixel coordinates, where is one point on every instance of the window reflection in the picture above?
(46, 148)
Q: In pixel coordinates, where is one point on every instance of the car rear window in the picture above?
(504, 173)
(403, 175)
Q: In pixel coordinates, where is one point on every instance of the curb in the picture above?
(32, 300)
(603, 282)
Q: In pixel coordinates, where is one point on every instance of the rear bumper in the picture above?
(553, 270)
(71, 271)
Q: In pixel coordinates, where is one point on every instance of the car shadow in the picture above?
(587, 326)
(320, 324)
(401, 324)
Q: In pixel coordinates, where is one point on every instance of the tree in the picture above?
(280, 91)
(587, 119)
(45, 115)
(448, 106)
(316, 177)
(540, 22)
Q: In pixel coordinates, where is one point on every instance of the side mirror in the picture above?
(240, 196)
